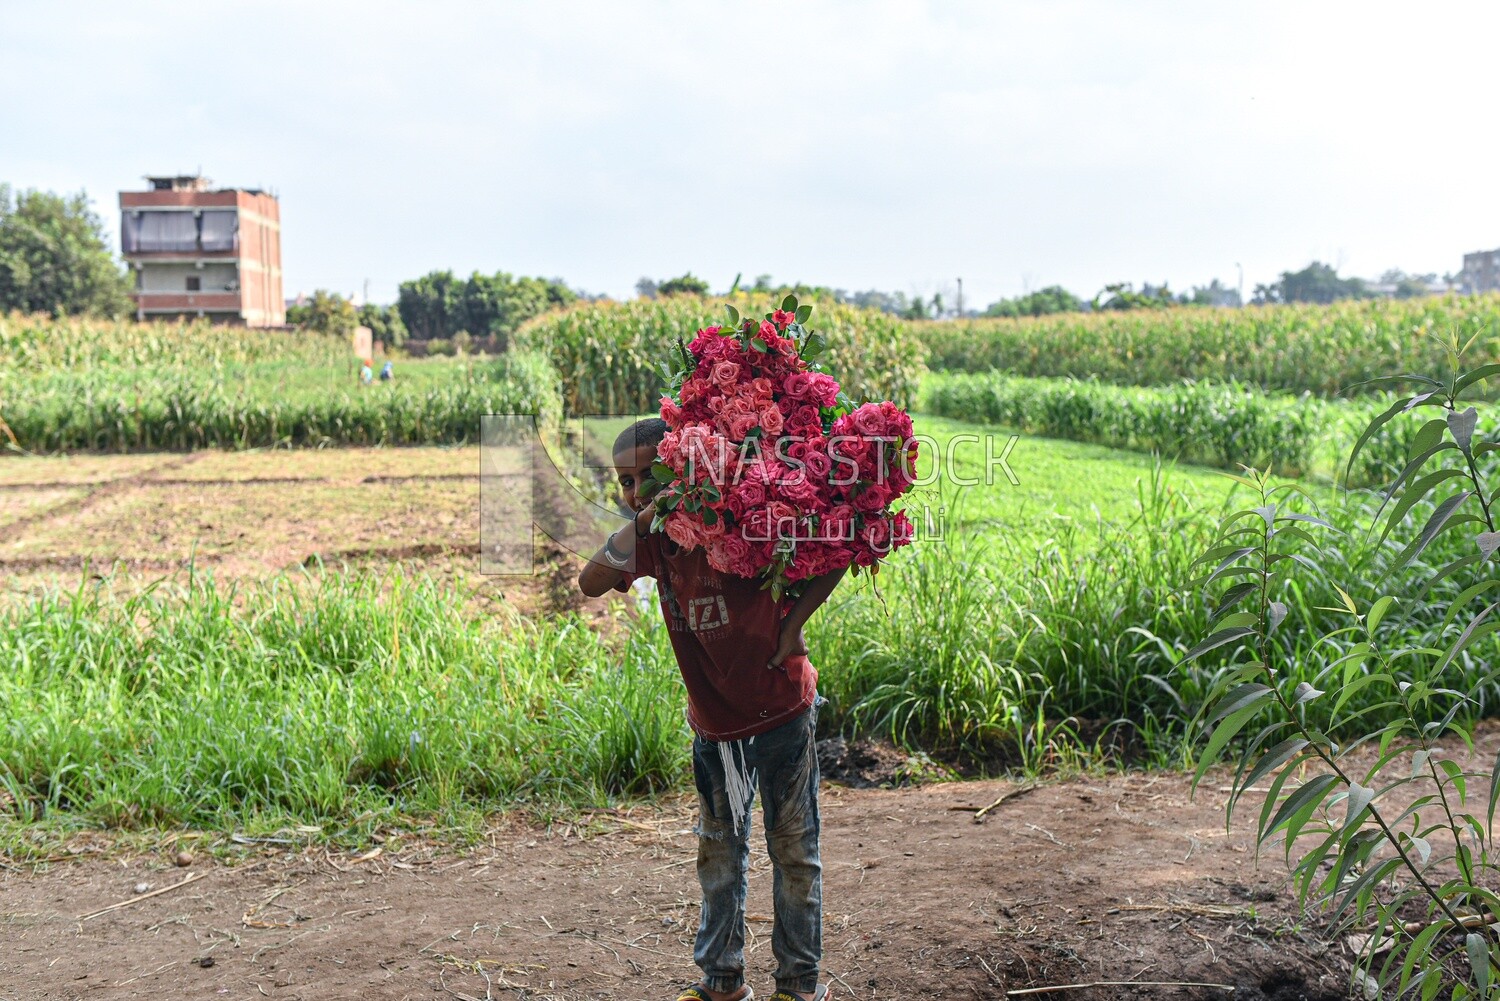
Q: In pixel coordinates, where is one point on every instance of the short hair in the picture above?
(649, 431)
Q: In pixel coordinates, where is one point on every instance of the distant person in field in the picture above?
(366, 374)
(752, 703)
(387, 372)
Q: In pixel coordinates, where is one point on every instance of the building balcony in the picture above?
(187, 301)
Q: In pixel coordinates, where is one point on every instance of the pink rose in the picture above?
(740, 425)
(750, 494)
(877, 534)
(736, 550)
(683, 530)
(670, 450)
(779, 510)
(902, 531)
(726, 374)
(770, 420)
(801, 491)
(824, 389)
(758, 526)
(797, 384)
(869, 420)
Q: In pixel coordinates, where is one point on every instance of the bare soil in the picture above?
(1121, 878)
(245, 516)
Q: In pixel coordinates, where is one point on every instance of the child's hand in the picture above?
(792, 644)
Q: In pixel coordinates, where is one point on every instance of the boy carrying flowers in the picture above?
(757, 489)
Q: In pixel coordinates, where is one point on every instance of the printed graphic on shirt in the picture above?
(677, 621)
(707, 613)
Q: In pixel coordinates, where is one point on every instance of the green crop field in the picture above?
(1324, 350)
(1041, 628)
(273, 638)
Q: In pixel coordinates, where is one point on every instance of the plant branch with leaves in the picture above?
(1406, 858)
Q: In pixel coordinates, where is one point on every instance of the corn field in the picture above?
(1323, 350)
(610, 354)
(43, 344)
(250, 390)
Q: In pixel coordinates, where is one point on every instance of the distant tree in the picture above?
(686, 284)
(326, 313)
(917, 310)
(646, 288)
(1122, 295)
(762, 284)
(438, 305)
(1317, 282)
(54, 258)
(1215, 293)
(1408, 286)
(1042, 302)
(886, 302)
(384, 323)
(431, 307)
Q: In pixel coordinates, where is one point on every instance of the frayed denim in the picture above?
(783, 764)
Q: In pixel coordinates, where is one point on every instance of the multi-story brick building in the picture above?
(202, 252)
(1481, 271)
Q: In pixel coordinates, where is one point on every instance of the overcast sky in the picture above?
(861, 145)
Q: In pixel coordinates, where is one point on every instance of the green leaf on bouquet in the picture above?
(758, 344)
(789, 304)
(734, 314)
(815, 345)
(803, 312)
(710, 517)
(662, 473)
(711, 492)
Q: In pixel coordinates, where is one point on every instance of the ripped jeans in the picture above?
(783, 763)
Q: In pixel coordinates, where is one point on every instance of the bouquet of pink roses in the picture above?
(768, 466)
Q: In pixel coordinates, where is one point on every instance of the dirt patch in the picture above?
(1098, 879)
(870, 764)
(248, 516)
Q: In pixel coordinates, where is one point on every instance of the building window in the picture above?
(179, 232)
(194, 283)
(219, 230)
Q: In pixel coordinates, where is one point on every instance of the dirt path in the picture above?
(1119, 878)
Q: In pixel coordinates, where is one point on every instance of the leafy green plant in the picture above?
(1377, 813)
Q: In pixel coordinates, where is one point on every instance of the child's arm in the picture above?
(817, 592)
(604, 571)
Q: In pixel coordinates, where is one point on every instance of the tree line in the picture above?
(54, 258)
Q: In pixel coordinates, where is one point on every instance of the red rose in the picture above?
(873, 497)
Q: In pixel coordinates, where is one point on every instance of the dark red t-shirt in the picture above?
(724, 629)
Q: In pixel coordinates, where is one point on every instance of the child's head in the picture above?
(634, 452)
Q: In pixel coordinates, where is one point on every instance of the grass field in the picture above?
(253, 688)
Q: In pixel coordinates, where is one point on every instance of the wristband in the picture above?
(617, 560)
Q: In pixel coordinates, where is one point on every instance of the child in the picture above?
(753, 707)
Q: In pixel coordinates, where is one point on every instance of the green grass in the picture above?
(1046, 622)
(1225, 425)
